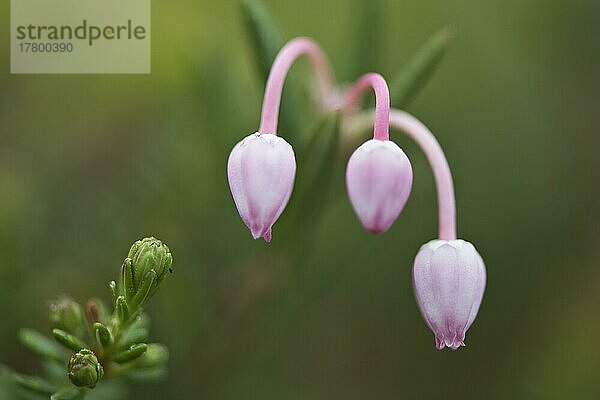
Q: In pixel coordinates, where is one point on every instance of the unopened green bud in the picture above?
(150, 253)
(67, 315)
(84, 369)
(148, 262)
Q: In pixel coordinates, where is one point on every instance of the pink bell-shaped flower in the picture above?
(261, 171)
(449, 281)
(379, 180)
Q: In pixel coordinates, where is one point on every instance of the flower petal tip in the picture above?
(451, 344)
(261, 233)
(268, 235)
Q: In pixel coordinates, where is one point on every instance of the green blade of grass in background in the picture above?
(316, 161)
(263, 34)
(365, 34)
(265, 42)
(316, 164)
(420, 68)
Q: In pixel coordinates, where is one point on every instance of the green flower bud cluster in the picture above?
(95, 343)
(84, 369)
(148, 262)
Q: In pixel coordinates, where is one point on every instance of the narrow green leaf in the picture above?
(113, 389)
(102, 335)
(53, 370)
(34, 384)
(263, 33)
(143, 292)
(156, 355)
(419, 69)
(6, 382)
(131, 354)
(147, 374)
(315, 168)
(122, 309)
(364, 34)
(68, 340)
(316, 160)
(4, 370)
(140, 321)
(132, 336)
(135, 332)
(112, 285)
(69, 393)
(127, 284)
(41, 345)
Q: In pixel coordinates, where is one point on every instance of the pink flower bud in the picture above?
(379, 179)
(261, 170)
(449, 281)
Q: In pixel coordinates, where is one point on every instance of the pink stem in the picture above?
(284, 60)
(441, 172)
(382, 102)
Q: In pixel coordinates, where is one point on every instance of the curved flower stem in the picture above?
(416, 130)
(284, 60)
(382, 102)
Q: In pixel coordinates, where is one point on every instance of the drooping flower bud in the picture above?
(67, 315)
(143, 270)
(379, 180)
(449, 280)
(84, 369)
(261, 171)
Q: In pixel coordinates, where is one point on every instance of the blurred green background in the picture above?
(90, 163)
